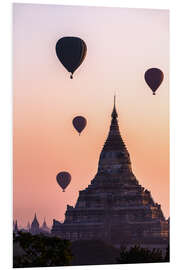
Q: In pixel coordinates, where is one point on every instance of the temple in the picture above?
(44, 226)
(34, 226)
(115, 207)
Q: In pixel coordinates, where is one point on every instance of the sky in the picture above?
(121, 45)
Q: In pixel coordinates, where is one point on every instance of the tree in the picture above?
(40, 250)
(138, 254)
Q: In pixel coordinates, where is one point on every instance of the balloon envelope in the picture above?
(79, 123)
(154, 77)
(71, 52)
(63, 179)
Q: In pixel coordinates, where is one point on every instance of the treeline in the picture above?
(42, 250)
(138, 254)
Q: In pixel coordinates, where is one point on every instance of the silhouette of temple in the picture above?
(44, 226)
(35, 226)
(36, 229)
(115, 207)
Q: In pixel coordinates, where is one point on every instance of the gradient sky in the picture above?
(121, 45)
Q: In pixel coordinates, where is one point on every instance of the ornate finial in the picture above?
(114, 113)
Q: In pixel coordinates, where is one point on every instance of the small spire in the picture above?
(114, 113)
(16, 226)
(35, 222)
(28, 226)
(44, 225)
(35, 219)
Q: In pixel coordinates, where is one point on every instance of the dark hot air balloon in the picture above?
(79, 122)
(154, 77)
(71, 52)
(63, 179)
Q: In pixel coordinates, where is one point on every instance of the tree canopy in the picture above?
(40, 250)
(139, 254)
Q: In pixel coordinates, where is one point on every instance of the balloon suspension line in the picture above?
(63, 190)
(154, 93)
(71, 76)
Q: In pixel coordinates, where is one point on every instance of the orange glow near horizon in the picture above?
(121, 45)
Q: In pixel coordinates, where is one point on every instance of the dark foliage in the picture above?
(138, 254)
(93, 252)
(40, 250)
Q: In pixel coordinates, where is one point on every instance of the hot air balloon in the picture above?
(79, 123)
(71, 52)
(63, 179)
(154, 77)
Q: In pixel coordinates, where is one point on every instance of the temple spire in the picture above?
(28, 226)
(44, 226)
(114, 114)
(114, 140)
(114, 154)
(35, 221)
(35, 225)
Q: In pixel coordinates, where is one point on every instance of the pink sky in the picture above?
(121, 45)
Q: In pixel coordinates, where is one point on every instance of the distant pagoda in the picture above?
(28, 227)
(115, 207)
(44, 226)
(35, 226)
